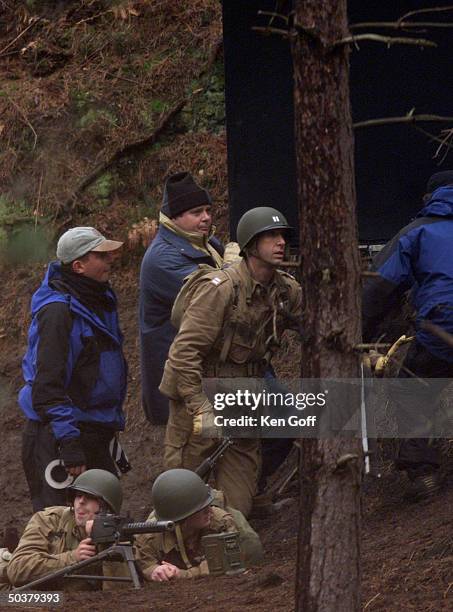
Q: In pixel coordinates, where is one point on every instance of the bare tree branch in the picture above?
(434, 138)
(273, 15)
(434, 9)
(137, 146)
(127, 150)
(33, 23)
(445, 142)
(24, 117)
(409, 118)
(271, 30)
(401, 25)
(387, 40)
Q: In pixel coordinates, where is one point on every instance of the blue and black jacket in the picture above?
(168, 260)
(419, 257)
(74, 368)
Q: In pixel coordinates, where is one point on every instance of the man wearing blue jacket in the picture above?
(183, 242)
(74, 369)
(420, 258)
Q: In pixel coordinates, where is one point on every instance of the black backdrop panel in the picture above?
(259, 111)
(392, 162)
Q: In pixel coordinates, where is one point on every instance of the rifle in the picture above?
(113, 530)
(204, 469)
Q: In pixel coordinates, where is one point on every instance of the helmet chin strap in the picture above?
(181, 546)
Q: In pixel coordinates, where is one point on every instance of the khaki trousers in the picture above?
(236, 473)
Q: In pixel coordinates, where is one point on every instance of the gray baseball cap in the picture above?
(78, 241)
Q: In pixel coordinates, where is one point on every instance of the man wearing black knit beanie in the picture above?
(183, 242)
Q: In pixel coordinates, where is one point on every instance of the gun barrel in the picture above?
(206, 466)
(147, 527)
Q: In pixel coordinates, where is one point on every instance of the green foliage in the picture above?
(12, 210)
(3, 243)
(149, 64)
(207, 111)
(89, 111)
(102, 189)
(159, 106)
(82, 100)
(94, 116)
(156, 107)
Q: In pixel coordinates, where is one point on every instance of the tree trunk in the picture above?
(328, 565)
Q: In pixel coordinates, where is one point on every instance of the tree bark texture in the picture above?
(328, 573)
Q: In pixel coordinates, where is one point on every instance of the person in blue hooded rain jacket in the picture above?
(419, 258)
(183, 242)
(74, 369)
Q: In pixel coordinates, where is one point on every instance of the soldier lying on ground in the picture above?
(56, 537)
(181, 496)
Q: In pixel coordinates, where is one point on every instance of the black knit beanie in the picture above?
(440, 179)
(181, 193)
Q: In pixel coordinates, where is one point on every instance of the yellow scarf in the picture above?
(198, 241)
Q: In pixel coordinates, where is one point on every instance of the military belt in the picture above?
(253, 369)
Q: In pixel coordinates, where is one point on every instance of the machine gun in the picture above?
(204, 469)
(118, 534)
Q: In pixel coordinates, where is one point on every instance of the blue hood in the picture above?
(45, 294)
(440, 204)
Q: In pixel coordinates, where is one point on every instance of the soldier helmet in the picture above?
(99, 483)
(179, 493)
(258, 220)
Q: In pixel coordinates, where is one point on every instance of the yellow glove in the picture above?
(374, 357)
(203, 420)
(386, 360)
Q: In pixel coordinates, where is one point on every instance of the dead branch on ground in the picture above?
(133, 148)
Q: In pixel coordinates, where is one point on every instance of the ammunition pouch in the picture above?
(223, 553)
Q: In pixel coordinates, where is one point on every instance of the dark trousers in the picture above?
(416, 406)
(39, 448)
(273, 452)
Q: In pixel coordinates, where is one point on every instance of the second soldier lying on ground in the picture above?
(181, 496)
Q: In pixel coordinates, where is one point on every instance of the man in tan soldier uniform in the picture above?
(230, 329)
(56, 537)
(181, 496)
